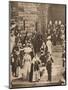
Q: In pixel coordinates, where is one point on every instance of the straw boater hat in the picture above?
(49, 37)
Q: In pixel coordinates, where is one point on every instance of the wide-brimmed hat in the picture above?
(49, 37)
(23, 45)
(13, 26)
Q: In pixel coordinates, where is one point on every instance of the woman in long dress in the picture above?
(12, 41)
(35, 68)
(27, 66)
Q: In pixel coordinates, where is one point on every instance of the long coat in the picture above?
(49, 67)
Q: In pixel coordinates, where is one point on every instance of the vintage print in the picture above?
(37, 40)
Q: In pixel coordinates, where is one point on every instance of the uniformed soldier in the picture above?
(49, 66)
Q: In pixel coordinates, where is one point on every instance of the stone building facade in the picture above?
(35, 16)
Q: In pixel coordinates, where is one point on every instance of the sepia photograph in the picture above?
(37, 44)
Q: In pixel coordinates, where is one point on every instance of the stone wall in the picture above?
(34, 16)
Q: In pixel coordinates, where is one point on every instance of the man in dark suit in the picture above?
(49, 66)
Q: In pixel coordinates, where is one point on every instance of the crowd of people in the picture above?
(29, 52)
